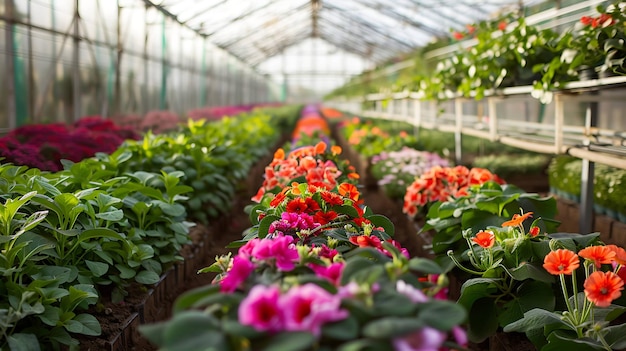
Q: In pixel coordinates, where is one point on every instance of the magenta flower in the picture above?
(260, 309)
(280, 250)
(291, 222)
(308, 307)
(246, 250)
(238, 273)
(408, 290)
(425, 339)
(332, 272)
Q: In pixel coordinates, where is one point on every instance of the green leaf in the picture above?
(113, 215)
(534, 319)
(23, 342)
(530, 271)
(382, 221)
(347, 329)
(85, 324)
(125, 271)
(347, 210)
(193, 331)
(189, 298)
(292, 341)
(391, 327)
(365, 345)
(483, 320)
(97, 268)
(147, 277)
(441, 314)
(264, 225)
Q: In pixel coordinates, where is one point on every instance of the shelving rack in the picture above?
(585, 119)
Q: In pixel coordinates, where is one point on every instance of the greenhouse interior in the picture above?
(312, 175)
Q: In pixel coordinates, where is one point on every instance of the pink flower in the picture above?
(415, 295)
(246, 250)
(425, 339)
(280, 250)
(238, 273)
(332, 272)
(260, 309)
(308, 307)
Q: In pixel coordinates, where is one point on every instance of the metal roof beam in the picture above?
(263, 29)
(357, 19)
(389, 12)
(241, 17)
(202, 12)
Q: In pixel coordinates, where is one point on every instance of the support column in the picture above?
(458, 145)
(76, 65)
(10, 67)
(587, 174)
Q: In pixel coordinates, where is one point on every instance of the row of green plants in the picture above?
(506, 51)
(509, 52)
(517, 273)
(316, 270)
(74, 238)
(609, 185)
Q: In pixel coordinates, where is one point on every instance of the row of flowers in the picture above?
(316, 270)
(511, 268)
(82, 236)
(43, 146)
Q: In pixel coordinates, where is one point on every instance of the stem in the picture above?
(565, 294)
(458, 264)
(328, 225)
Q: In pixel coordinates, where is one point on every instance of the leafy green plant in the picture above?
(502, 165)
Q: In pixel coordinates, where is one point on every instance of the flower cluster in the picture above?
(43, 146)
(301, 308)
(395, 170)
(311, 163)
(440, 183)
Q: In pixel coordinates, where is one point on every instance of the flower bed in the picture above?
(314, 263)
(91, 232)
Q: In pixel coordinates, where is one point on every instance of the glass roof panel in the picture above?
(255, 30)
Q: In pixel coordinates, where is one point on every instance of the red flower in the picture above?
(534, 231)
(324, 217)
(296, 206)
(366, 241)
(457, 35)
(331, 199)
(561, 261)
(502, 25)
(620, 254)
(485, 239)
(602, 288)
(599, 255)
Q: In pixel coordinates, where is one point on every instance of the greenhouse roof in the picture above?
(378, 30)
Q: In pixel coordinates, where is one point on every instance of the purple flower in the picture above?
(308, 307)
(425, 339)
(238, 273)
(260, 309)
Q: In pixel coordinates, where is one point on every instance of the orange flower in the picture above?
(602, 288)
(277, 199)
(599, 255)
(320, 147)
(620, 254)
(561, 261)
(517, 220)
(485, 239)
(279, 154)
(335, 149)
(349, 190)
